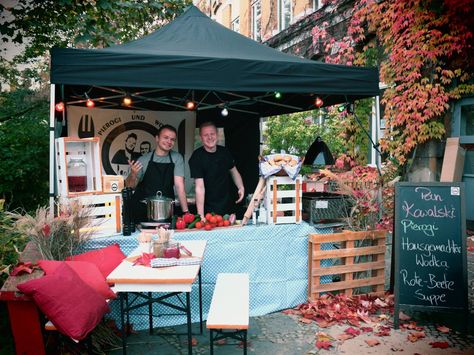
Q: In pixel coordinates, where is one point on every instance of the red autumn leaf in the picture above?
(372, 342)
(353, 322)
(415, 336)
(440, 344)
(22, 268)
(383, 332)
(305, 320)
(443, 329)
(322, 323)
(323, 344)
(289, 311)
(367, 329)
(352, 331)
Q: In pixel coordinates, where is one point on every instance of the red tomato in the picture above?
(212, 219)
(188, 218)
(207, 227)
(198, 225)
(207, 216)
(180, 224)
(226, 223)
(220, 224)
(219, 218)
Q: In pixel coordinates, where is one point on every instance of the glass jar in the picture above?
(77, 174)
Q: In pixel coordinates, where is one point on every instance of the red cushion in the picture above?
(88, 272)
(106, 259)
(73, 307)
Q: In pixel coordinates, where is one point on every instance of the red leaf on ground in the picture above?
(323, 344)
(383, 332)
(305, 320)
(402, 316)
(290, 311)
(414, 336)
(372, 342)
(322, 323)
(443, 329)
(367, 329)
(22, 268)
(352, 331)
(440, 344)
(353, 322)
(221, 342)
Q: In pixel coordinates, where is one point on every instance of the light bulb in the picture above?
(318, 102)
(190, 105)
(90, 103)
(59, 106)
(225, 112)
(127, 101)
(277, 95)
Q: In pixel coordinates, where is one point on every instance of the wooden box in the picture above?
(112, 184)
(88, 150)
(359, 259)
(106, 212)
(283, 199)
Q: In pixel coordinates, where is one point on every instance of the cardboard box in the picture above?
(112, 184)
(453, 161)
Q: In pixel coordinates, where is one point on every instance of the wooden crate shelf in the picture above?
(356, 252)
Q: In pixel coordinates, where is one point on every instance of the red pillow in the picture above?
(73, 307)
(88, 272)
(106, 259)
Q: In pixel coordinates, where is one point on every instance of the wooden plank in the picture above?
(345, 236)
(341, 269)
(346, 285)
(230, 302)
(349, 261)
(379, 273)
(298, 207)
(274, 201)
(342, 253)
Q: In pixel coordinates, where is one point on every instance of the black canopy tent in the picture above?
(195, 58)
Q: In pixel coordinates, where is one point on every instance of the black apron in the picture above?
(158, 177)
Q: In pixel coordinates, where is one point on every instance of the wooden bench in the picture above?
(229, 309)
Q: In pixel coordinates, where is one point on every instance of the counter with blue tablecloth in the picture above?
(274, 256)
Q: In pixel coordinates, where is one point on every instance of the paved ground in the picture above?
(282, 334)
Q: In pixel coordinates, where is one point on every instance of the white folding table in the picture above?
(172, 281)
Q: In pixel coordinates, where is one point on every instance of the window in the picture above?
(235, 25)
(256, 20)
(284, 14)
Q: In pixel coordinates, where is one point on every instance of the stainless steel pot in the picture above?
(159, 208)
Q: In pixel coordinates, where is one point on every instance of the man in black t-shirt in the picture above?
(212, 166)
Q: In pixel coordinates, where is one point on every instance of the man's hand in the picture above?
(135, 167)
(241, 193)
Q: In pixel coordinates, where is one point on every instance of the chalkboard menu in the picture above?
(430, 247)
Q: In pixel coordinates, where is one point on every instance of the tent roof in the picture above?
(193, 57)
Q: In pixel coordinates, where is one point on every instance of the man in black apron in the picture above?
(160, 170)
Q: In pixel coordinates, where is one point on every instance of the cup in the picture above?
(171, 250)
(158, 248)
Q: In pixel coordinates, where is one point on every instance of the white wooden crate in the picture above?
(89, 150)
(283, 212)
(106, 212)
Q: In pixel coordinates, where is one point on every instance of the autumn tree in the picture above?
(425, 59)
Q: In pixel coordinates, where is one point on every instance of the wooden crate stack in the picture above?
(359, 252)
(277, 210)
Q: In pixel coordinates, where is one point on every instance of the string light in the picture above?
(341, 108)
(90, 103)
(127, 101)
(190, 105)
(277, 95)
(59, 106)
(318, 102)
(225, 112)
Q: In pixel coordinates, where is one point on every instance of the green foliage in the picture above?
(295, 132)
(41, 25)
(11, 242)
(24, 148)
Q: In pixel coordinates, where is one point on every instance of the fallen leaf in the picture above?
(344, 337)
(22, 268)
(443, 329)
(402, 316)
(365, 304)
(221, 342)
(305, 320)
(321, 336)
(354, 322)
(380, 303)
(352, 331)
(367, 329)
(383, 317)
(323, 345)
(372, 342)
(393, 348)
(383, 331)
(415, 336)
(440, 344)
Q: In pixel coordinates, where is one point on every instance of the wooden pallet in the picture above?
(356, 253)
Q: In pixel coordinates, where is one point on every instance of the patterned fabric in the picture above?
(274, 256)
(165, 262)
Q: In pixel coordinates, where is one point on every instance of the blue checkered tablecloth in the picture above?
(274, 256)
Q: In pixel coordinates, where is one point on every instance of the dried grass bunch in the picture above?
(56, 237)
